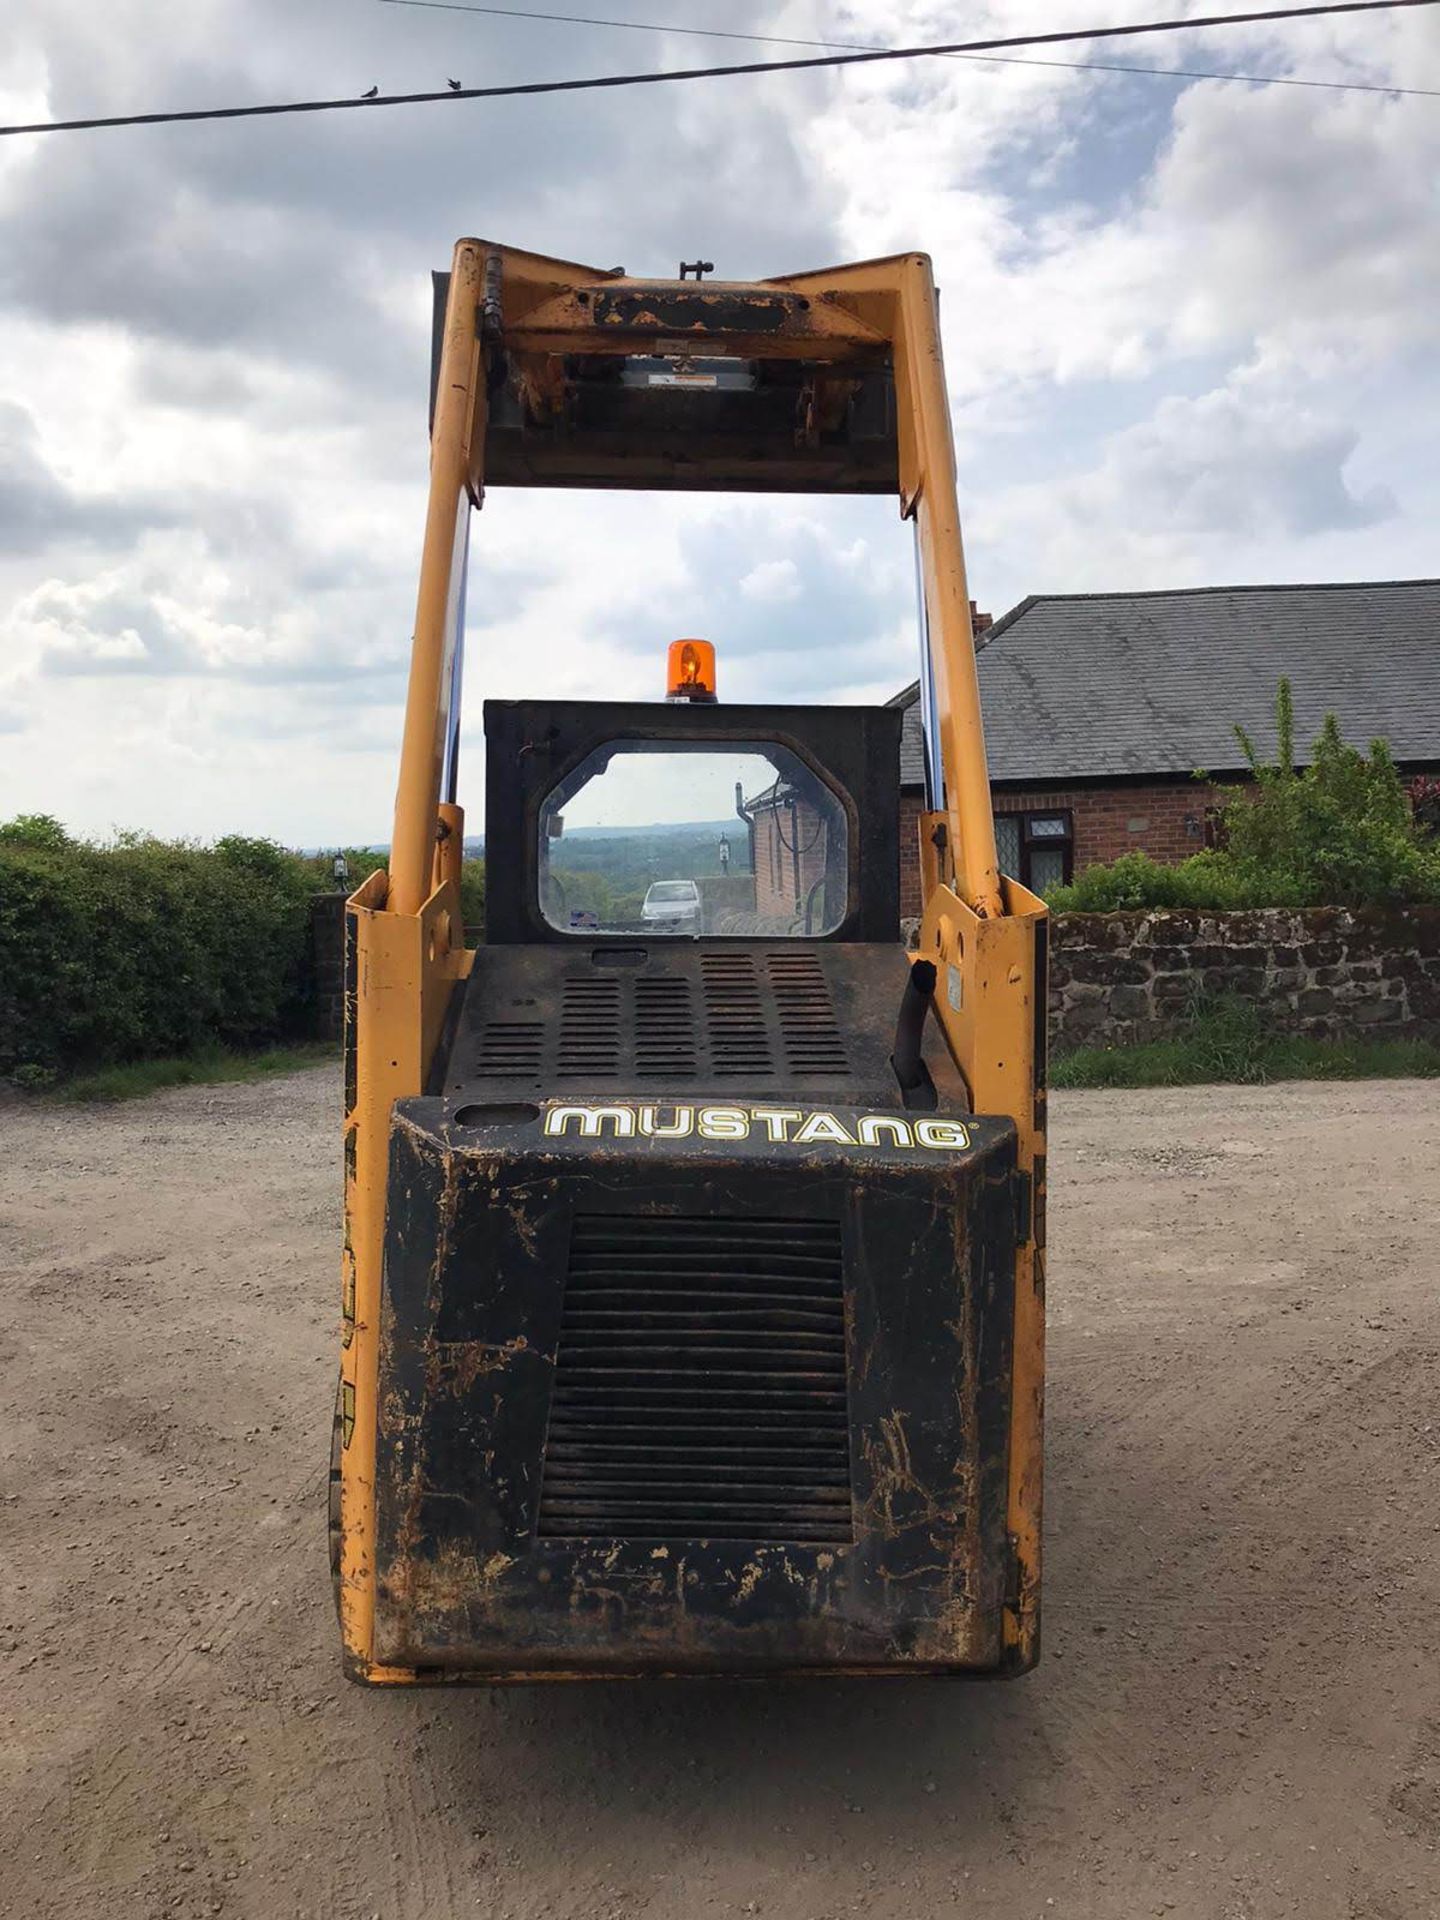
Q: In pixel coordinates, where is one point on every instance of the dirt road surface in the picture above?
(1237, 1715)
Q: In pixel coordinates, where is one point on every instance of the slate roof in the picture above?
(1095, 685)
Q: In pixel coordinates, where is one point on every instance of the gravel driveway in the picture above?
(1237, 1714)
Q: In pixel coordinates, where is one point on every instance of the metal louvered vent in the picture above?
(512, 1049)
(700, 1386)
(590, 1025)
(664, 1026)
(734, 1015)
(807, 1017)
(750, 1019)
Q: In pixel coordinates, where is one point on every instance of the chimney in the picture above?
(981, 622)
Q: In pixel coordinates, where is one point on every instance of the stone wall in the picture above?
(1119, 978)
(327, 962)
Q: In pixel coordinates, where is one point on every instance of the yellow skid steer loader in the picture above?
(694, 1227)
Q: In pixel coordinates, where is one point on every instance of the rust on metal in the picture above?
(666, 309)
(494, 1524)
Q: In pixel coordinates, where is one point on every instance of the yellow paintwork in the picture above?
(459, 413)
(978, 928)
(404, 968)
(986, 1000)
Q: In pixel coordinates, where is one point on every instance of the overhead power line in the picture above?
(860, 46)
(665, 76)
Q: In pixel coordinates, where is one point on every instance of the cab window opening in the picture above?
(688, 839)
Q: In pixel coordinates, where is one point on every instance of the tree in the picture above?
(35, 830)
(1340, 832)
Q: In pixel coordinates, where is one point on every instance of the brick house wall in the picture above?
(910, 805)
(778, 830)
(1165, 819)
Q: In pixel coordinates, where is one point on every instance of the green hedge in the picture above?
(147, 948)
(110, 954)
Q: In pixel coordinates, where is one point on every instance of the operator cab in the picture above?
(689, 898)
(676, 833)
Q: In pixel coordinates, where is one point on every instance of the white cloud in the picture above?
(1287, 217)
(1191, 332)
(1233, 470)
(773, 583)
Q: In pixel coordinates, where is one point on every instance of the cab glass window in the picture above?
(680, 841)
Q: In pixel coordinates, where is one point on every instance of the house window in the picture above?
(1037, 849)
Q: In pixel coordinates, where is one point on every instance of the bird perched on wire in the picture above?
(453, 85)
(371, 94)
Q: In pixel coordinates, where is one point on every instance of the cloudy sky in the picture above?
(1192, 333)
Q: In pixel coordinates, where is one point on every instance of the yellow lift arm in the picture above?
(515, 316)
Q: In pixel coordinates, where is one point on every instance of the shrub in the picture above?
(145, 947)
(472, 897)
(1135, 881)
(1340, 832)
(260, 859)
(34, 830)
(1424, 793)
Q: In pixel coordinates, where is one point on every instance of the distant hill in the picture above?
(610, 868)
(691, 829)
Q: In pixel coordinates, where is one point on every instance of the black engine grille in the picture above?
(700, 1385)
(737, 1017)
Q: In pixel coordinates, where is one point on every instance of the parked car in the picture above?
(672, 906)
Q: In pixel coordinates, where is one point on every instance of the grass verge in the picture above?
(206, 1068)
(1202, 1055)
